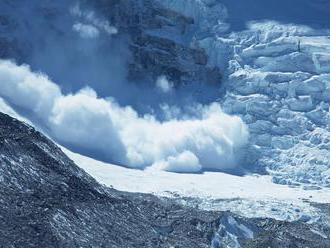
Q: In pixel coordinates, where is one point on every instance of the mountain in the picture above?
(195, 86)
(47, 201)
(273, 71)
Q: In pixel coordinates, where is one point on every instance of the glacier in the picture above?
(277, 78)
(251, 195)
(281, 89)
(278, 81)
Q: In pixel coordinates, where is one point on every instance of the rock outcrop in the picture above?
(158, 40)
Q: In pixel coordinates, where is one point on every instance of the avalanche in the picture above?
(276, 87)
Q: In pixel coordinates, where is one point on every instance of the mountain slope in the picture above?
(274, 73)
(47, 201)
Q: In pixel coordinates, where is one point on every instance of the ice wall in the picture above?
(279, 82)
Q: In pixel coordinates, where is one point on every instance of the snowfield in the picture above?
(253, 195)
(250, 196)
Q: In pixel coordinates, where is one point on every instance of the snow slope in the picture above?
(253, 196)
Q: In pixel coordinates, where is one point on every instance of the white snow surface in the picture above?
(279, 84)
(252, 196)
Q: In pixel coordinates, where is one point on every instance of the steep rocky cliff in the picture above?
(158, 40)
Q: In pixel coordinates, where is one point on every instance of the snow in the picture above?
(230, 230)
(278, 82)
(86, 31)
(301, 104)
(252, 196)
(164, 85)
(321, 234)
(186, 162)
(6, 109)
(322, 62)
(208, 139)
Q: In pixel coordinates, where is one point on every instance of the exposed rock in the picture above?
(161, 43)
(159, 39)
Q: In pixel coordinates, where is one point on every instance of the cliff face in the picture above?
(161, 41)
(158, 40)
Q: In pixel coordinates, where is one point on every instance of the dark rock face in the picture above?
(159, 41)
(286, 234)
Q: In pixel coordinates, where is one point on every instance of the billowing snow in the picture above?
(207, 140)
(164, 85)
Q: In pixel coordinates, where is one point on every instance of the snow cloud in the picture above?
(163, 84)
(209, 140)
(94, 24)
(86, 30)
(32, 91)
(183, 162)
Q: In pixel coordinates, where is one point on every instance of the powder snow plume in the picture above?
(207, 140)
